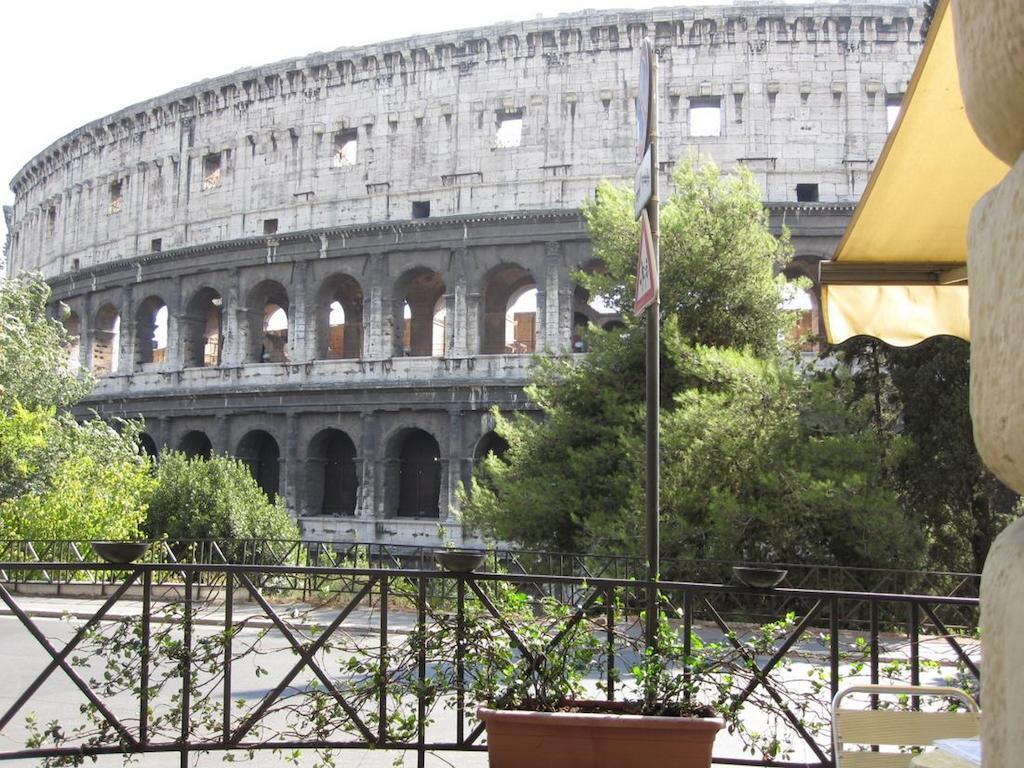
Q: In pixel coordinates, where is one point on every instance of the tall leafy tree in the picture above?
(33, 357)
(757, 463)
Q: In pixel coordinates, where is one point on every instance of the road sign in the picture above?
(646, 268)
(643, 99)
(642, 183)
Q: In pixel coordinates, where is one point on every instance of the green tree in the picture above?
(33, 356)
(719, 260)
(63, 480)
(757, 462)
(920, 399)
(212, 499)
(59, 479)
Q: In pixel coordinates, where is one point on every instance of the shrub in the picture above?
(217, 498)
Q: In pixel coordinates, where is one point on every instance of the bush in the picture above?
(217, 498)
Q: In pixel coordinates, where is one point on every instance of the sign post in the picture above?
(648, 301)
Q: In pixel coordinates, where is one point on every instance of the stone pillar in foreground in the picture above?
(990, 58)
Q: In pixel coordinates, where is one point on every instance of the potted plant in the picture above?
(529, 667)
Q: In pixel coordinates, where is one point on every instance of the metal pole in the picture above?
(653, 378)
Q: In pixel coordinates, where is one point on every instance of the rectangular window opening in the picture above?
(706, 116)
(51, 221)
(807, 193)
(75, 265)
(510, 129)
(893, 104)
(346, 148)
(156, 245)
(270, 226)
(211, 171)
(116, 197)
(420, 209)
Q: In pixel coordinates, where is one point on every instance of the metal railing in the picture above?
(315, 553)
(354, 672)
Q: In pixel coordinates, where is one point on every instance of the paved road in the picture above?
(59, 699)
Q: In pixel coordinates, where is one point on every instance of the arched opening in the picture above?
(151, 332)
(259, 450)
(339, 314)
(73, 328)
(414, 474)
(196, 445)
(803, 303)
(106, 341)
(580, 321)
(510, 312)
(147, 445)
(491, 442)
(332, 481)
(268, 323)
(203, 329)
(420, 314)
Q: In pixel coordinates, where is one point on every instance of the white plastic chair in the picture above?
(897, 727)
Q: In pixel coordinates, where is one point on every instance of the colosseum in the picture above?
(334, 266)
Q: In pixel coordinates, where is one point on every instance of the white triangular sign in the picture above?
(646, 269)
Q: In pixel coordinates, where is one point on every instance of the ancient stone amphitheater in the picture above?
(334, 266)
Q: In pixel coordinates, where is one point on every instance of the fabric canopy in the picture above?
(897, 274)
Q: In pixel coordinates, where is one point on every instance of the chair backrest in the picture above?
(897, 727)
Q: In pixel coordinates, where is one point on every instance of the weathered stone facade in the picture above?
(417, 188)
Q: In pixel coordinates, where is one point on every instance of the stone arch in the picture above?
(413, 474)
(260, 451)
(332, 483)
(420, 316)
(151, 332)
(73, 327)
(203, 329)
(504, 328)
(267, 305)
(106, 341)
(587, 309)
(147, 445)
(339, 318)
(490, 442)
(196, 445)
(807, 302)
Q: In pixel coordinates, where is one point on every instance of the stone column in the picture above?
(127, 340)
(555, 327)
(298, 333)
(369, 450)
(453, 476)
(289, 458)
(991, 63)
(174, 318)
(234, 324)
(376, 325)
(456, 308)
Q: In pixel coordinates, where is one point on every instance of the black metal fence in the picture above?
(193, 657)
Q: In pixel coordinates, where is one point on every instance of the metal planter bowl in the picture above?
(459, 560)
(761, 578)
(120, 552)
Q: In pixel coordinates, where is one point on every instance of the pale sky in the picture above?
(66, 63)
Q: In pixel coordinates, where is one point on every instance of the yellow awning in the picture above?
(896, 274)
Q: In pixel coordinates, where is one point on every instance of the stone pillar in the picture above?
(554, 316)
(88, 323)
(235, 324)
(369, 450)
(458, 342)
(376, 325)
(174, 317)
(991, 65)
(453, 476)
(289, 457)
(127, 341)
(299, 335)
(222, 435)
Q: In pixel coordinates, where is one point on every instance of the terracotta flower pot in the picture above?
(518, 739)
